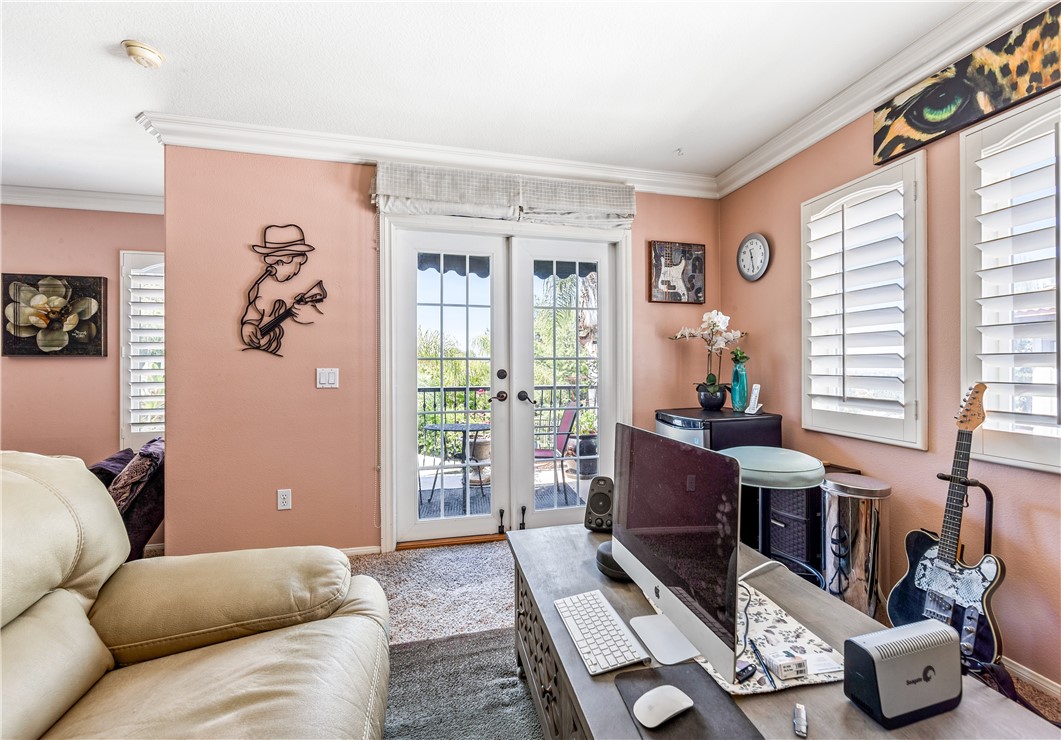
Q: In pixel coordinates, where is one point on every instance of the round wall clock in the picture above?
(753, 256)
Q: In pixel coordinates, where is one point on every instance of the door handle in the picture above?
(524, 396)
(501, 396)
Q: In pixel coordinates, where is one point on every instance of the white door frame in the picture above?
(388, 228)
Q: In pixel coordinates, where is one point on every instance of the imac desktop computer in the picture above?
(676, 532)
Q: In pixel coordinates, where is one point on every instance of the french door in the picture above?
(503, 378)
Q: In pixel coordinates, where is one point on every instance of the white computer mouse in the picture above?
(656, 706)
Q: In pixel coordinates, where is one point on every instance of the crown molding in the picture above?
(973, 27)
(203, 133)
(84, 200)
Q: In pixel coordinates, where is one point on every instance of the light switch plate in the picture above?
(327, 377)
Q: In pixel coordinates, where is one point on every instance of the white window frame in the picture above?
(131, 260)
(910, 430)
(996, 445)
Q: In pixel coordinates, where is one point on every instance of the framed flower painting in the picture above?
(54, 315)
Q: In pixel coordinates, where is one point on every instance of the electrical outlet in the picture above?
(283, 499)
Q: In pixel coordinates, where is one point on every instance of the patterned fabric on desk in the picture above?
(773, 629)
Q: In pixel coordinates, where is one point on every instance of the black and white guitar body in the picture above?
(952, 593)
(939, 586)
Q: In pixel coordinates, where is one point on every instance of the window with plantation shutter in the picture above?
(1010, 184)
(143, 311)
(863, 308)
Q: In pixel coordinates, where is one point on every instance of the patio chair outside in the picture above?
(560, 441)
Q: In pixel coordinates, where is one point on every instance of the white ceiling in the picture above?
(621, 84)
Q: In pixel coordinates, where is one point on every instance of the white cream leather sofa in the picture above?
(279, 643)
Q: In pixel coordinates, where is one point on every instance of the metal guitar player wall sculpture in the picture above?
(283, 251)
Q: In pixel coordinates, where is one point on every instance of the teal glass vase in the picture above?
(739, 388)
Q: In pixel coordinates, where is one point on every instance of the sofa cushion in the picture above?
(365, 597)
(320, 679)
(144, 612)
(60, 530)
(51, 657)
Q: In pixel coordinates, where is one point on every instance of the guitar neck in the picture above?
(276, 321)
(952, 515)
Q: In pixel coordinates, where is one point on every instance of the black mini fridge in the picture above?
(717, 430)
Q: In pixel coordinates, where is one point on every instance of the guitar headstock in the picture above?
(971, 414)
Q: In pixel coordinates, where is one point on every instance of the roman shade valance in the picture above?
(444, 191)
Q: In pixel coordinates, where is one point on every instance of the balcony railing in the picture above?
(471, 404)
(476, 397)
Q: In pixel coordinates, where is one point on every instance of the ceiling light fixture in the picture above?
(143, 54)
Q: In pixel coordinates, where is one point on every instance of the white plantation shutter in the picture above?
(143, 391)
(863, 311)
(1010, 268)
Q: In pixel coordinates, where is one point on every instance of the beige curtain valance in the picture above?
(445, 191)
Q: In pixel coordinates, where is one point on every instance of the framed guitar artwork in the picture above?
(937, 585)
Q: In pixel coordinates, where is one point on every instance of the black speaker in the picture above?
(606, 563)
(599, 505)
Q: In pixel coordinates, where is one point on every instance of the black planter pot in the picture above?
(712, 401)
(587, 448)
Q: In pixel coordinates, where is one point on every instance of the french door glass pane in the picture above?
(453, 384)
(566, 375)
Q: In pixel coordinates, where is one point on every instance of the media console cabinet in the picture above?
(553, 562)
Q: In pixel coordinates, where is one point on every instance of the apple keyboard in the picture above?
(602, 638)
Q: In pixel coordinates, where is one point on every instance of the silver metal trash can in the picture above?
(852, 528)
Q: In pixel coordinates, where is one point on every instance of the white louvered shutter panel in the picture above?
(862, 309)
(1011, 283)
(144, 348)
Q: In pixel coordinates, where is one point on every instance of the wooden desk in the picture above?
(553, 562)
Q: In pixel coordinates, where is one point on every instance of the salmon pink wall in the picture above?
(1027, 521)
(69, 405)
(665, 371)
(242, 424)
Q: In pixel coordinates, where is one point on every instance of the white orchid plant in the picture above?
(717, 336)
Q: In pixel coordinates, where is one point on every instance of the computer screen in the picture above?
(676, 532)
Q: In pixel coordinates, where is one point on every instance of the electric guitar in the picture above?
(937, 585)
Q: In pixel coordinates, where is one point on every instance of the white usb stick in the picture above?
(799, 720)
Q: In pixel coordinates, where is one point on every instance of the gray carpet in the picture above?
(444, 591)
(459, 687)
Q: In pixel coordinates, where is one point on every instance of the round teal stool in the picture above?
(794, 535)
